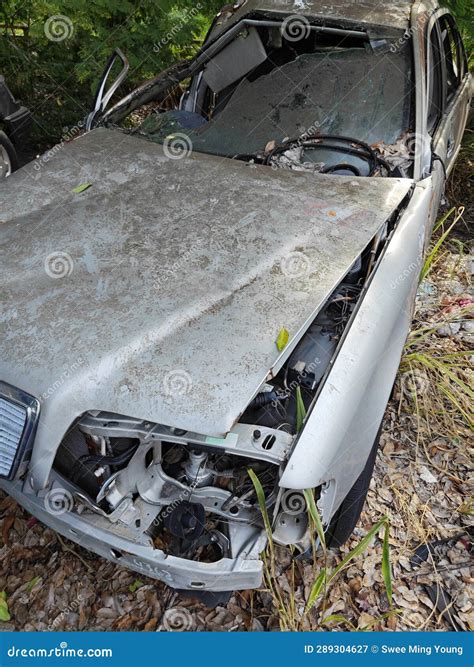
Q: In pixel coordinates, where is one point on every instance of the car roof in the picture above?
(394, 14)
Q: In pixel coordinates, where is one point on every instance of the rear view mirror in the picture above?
(103, 96)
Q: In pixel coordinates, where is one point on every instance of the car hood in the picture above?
(159, 291)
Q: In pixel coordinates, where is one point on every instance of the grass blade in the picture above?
(300, 410)
(393, 612)
(338, 618)
(314, 515)
(434, 252)
(359, 549)
(261, 501)
(386, 566)
(316, 590)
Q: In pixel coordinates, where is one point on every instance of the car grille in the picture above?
(12, 424)
(19, 414)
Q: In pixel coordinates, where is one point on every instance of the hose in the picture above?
(356, 148)
(112, 461)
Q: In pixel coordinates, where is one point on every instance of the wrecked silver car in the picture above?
(225, 286)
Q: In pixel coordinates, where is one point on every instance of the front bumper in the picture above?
(94, 533)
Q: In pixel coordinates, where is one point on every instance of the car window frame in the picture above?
(447, 103)
(446, 22)
(433, 37)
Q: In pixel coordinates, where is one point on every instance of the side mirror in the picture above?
(103, 96)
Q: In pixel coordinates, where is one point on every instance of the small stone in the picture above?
(468, 326)
(451, 329)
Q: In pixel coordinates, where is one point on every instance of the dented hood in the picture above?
(159, 291)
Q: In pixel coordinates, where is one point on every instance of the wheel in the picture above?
(8, 156)
(346, 518)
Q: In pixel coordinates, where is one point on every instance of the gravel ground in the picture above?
(422, 481)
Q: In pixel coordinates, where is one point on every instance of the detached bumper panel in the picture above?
(91, 532)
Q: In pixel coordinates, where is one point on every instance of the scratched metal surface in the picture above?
(362, 12)
(180, 275)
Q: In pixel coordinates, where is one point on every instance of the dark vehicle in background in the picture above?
(15, 122)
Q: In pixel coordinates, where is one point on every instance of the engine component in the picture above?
(186, 520)
(311, 358)
(196, 470)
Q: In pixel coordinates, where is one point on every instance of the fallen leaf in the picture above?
(80, 188)
(133, 588)
(31, 584)
(4, 613)
(282, 340)
(365, 620)
(151, 625)
(8, 522)
(427, 476)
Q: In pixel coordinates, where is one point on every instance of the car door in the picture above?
(456, 89)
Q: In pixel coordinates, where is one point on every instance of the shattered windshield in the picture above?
(353, 92)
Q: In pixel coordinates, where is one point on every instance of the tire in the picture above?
(345, 520)
(8, 156)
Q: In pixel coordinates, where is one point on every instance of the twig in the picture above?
(67, 548)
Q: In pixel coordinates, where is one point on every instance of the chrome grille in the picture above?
(12, 424)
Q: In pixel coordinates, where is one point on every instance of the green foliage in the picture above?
(300, 410)
(462, 10)
(133, 588)
(282, 589)
(4, 611)
(57, 79)
(433, 255)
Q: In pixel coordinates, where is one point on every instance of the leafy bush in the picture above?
(462, 10)
(54, 65)
(57, 77)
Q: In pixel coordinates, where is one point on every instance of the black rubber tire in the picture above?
(345, 520)
(10, 149)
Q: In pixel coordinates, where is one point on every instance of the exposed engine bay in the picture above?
(192, 496)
